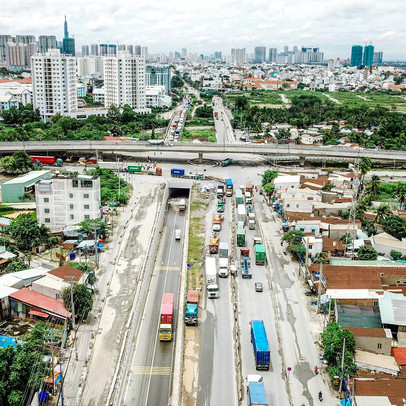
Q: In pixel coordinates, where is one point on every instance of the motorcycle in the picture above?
(320, 396)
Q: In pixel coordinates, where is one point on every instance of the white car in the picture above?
(177, 234)
(216, 227)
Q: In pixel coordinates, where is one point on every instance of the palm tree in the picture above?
(400, 194)
(364, 166)
(360, 210)
(382, 212)
(374, 185)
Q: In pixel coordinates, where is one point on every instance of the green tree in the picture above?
(382, 212)
(321, 258)
(396, 255)
(22, 161)
(346, 239)
(269, 176)
(365, 166)
(89, 226)
(176, 81)
(82, 300)
(241, 103)
(368, 253)
(82, 266)
(332, 340)
(400, 193)
(395, 226)
(298, 250)
(269, 188)
(15, 266)
(369, 227)
(293, 237)
(373, 186)
(27, 233)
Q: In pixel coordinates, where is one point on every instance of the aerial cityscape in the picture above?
(203, 207)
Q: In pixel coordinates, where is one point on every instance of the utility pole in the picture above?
(342, 368)
(320, 282)
(96, 248)
(72, 303)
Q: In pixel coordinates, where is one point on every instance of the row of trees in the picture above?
(23, 124)
(307, 110)
(19, 162)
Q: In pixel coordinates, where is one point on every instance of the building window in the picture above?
(47, 220)
(302, 229)
(46, 211)
(86, 196)
(375, 303)
(46, 199)
(71, 195)
(72, 216)
(379, 346)
(87, 207)
(87, 217)
(71, 206)
(75, 183)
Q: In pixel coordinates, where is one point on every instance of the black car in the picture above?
(258, 287)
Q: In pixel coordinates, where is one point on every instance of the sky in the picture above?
(217, 25)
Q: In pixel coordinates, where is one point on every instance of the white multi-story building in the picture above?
(157, 97)
(54, 83)
(65, 200)
(124, 82)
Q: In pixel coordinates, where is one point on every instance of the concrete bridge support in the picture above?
(200, 159)
(302, 160)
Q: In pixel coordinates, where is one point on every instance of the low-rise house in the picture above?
(49, 286)
(393, 314)
(377, 363)
(28, 304)
(5, 291)
(68, 273)
(5, 257)
(30, 275)
(308, 227)
(378, 340)
(382, 392)
(299, 205)
(324, 209)
(287, 182)
(384, 243)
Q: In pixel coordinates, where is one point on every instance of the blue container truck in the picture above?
(256, 394)
(177, 172)
(260, 344)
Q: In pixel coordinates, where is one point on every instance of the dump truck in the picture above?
(214, 244)
(211, 278)
(241, 237)
(259, 254)
(260, 344)
(192, 301)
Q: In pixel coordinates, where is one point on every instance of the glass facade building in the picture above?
(356, 55)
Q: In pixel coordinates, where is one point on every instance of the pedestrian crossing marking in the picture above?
(168, 268)
(150, 370)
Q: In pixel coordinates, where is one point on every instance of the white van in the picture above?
(182, 205)
(177, 234)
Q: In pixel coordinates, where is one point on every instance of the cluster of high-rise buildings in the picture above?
(365, 56)
(298, 55)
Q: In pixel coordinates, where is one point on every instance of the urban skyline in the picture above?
(307, 23)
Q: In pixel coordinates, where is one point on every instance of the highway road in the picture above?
(150, 376)
(224, 131)
(117, 147)
(217, 382)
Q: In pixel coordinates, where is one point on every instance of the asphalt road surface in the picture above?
(150, 376)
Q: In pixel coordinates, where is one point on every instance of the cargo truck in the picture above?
(256, 394)
(220, 206)
(138, 169)
(229, 187)
(220, 191)
(246, 271)
(259, 254)
(223, 267)
(166, 320)
(223, 250)
(248, 197)
(239, 199)
(46, 160)
(214, 244)
(249, 188)
(241, 237)
(241, 213)
(211, 278)
(251, 224)
(182, 205)
(177, 172)
(192, 301)
(260, 344)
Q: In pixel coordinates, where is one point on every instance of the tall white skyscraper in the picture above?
(54, 83)
(124, 81)
(238, 56)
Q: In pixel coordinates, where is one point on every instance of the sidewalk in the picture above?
(299, 326)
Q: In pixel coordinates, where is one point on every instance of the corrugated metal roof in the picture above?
(393, 309)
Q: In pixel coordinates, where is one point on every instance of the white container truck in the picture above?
(211, 278)
(223, 250)
(241, 213)
(223, 267)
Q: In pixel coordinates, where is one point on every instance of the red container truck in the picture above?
(43, 159)
(166, 318)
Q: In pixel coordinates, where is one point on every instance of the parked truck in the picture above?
(182, 205)
(166, 321)
(239, 199)
(249, 188)
(260, 344)
(214, 244)
(138, 169)
(192, 302)
(248, 197)
(229, 187)
(241, 237)
(256, 394)
(259, 254)
(46, 160)
(223, 267)
(223, 250)
(241, 213)
(211, 278)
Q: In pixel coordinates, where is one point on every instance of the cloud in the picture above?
(208, 26)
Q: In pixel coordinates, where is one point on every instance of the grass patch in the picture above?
(199, 204)
(199, 134)
(7, 210)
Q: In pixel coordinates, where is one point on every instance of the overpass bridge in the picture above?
(303, 152)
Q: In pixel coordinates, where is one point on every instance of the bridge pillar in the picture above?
(302, 159)
(200, 159)
(97, 155)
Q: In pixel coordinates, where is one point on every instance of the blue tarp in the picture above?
(6, 341)
(346, 402)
